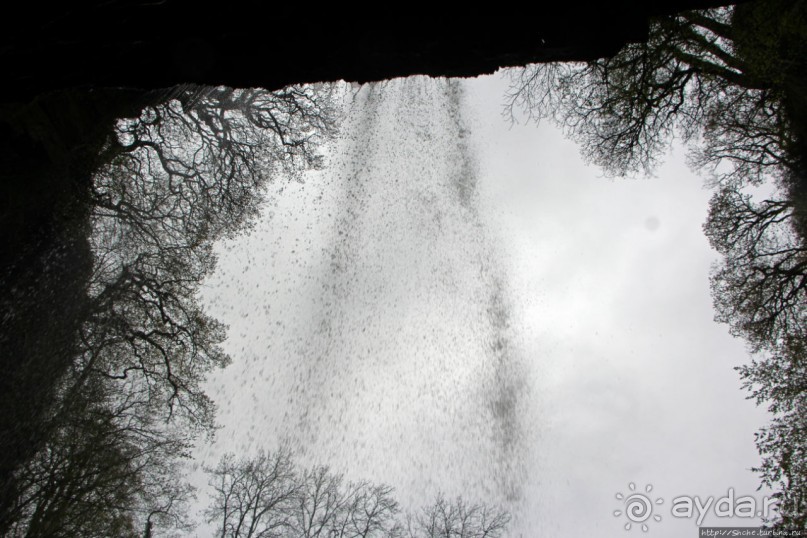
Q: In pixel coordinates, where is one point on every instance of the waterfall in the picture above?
(370, 319)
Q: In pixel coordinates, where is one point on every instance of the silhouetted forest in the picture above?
(102, 396)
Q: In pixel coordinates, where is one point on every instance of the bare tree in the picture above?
(329, 507)
(457, 519)
(370, 512)
(761, 285)
(266, 496)
(254, 498)
(320, 504)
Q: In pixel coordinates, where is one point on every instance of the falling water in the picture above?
(370, 315)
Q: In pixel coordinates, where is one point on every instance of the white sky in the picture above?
(361, 327)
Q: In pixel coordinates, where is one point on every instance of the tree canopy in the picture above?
(689, 78)
(732, 83)
(189, 170)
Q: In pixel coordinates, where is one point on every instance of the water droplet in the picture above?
(652, 223)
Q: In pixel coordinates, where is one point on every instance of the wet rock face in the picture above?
(148, 45)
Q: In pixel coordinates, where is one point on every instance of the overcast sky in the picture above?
(458, 305)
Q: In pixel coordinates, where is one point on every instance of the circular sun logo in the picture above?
(638, 507)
